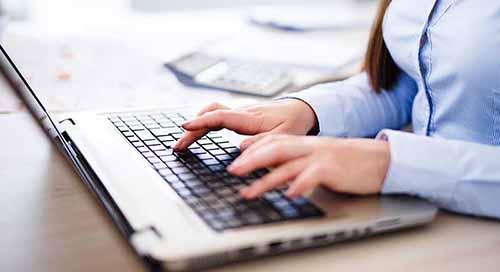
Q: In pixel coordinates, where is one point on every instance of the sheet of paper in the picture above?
(82, 72)
(315, 17)
(323, 50)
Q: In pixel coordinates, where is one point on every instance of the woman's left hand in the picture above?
(356, 166)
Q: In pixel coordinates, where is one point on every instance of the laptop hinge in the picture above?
(92, 181)
(67, 121)
(143, 240)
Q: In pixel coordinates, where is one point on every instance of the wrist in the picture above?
(384, 161)
(307, 116)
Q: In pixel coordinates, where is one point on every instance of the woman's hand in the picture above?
(355, 166)
(290, 116)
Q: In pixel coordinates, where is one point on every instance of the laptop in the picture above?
(182, 211)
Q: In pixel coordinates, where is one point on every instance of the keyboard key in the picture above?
(216, 152)
(177, 136)
(128, 133)
(176, 163)
(133, 139)
(270, 215)
(251, 218)
(144, 135)
(138, 144)
(204, 141)
(159, 165)
(167, 158)
(233, 151)
(177, 185)
(204, 156)
(210, 147)
(164, 153)
(216, 224)
(166, 139)
(154, 160)
(193, 183)
(187, 176)
(123, 129)
(158, 148)
(114, 119)
(165, 172)
(217, 167)
(152, 126)
(224, 157)
(183, 192)
(132, 122)
(180, 170)
(137, 127)
(166, 124)
(219, 140)
(165, 131)
(152, 142)
(211, 162)
(201, 191)
(215, 184)
(148, 154)
(226, 145)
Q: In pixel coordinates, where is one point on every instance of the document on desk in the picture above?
(315, 17)
(73, 73)
(316, 50)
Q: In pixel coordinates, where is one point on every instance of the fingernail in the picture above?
(235, 165)
(291, 192)
(249, 192)
(245, 192)
(176, 144)
(187, 124)
(243, 145)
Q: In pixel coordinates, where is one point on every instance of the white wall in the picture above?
(153, 5)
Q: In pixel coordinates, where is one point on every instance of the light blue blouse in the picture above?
(449, 52)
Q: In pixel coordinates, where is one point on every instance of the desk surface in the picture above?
(51, 222)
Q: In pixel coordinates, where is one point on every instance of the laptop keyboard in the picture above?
(199, 175)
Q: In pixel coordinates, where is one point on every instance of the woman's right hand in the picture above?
(287, 116)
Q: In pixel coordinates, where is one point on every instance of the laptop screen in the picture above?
(17, 83)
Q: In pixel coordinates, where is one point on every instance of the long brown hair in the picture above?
(379, 65)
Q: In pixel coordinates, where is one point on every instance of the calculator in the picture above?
(241, 76)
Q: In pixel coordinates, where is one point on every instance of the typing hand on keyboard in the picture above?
(288, 116)
(198, 174)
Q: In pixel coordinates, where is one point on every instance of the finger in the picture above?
(275, 178)
(264, 140)
(267, 156)
(212, 107)
(250, 141)
(271, 139)
(240, 122)
(307, 180)
(192, 136)
(188, 139)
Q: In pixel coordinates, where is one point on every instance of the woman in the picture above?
(435, 63)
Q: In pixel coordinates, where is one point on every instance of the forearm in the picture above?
(458, 176)
(352, 109)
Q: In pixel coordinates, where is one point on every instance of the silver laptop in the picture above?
(182, 211)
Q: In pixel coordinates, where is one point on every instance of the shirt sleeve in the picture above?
(351, 108)
(456, 175)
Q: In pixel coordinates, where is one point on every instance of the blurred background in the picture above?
(91, 54)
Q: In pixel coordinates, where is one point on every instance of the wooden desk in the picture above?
(51, 222)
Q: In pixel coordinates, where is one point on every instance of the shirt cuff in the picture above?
(416, 167)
